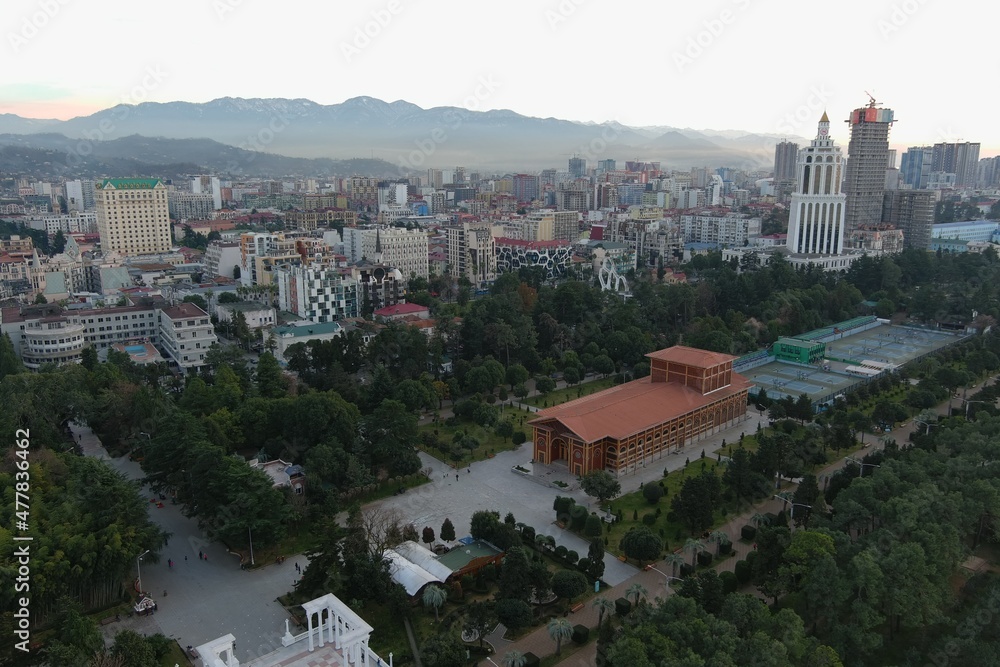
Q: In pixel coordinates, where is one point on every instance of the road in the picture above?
(204, 599)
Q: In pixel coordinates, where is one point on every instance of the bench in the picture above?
(577, 607)
(109, 620)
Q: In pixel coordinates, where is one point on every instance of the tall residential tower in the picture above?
(867, 162)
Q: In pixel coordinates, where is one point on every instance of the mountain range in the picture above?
(233, 136)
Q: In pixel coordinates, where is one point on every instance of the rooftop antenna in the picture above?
(871, 97)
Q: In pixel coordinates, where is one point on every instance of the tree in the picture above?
(601, 484)
(434, 596)
(515, 576)
(270, 379)
(604, 606)
(58, 242)
(484, 525)
(544, 384)
(514, 614)
(741, 479)
(447, 531)
(516, 375)
(674, 560)
(443, 650)
(134, 649)
(568, 584)
(636, 591)
(595, 554)
(694, 547)
(428, 535)
(719, 537)
(695, 505)
(560, 629)
(652, 492)
(513, 658)
(642, 544)
(479, 620)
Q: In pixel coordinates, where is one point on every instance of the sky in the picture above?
(770, 66)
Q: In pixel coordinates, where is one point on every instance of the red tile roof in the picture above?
(692, 356)
(632, 407)
(401, 309)
(183, 310)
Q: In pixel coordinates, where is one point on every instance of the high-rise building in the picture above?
(868, 160)
(988, 173)
(577, 167)
(316, 292)
(472, 252)
(525, 187)
(816, 216)
(913, 212)
(961, 159)
(80, 195)
(133, 216)
(915, 166)
(607, 165)
(785, 155)
(403, 249)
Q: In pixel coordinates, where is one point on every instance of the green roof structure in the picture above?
(129, 183)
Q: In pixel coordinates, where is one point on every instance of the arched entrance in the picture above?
(560, 450)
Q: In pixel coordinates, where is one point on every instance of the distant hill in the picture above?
(60, 156)
(278, 131)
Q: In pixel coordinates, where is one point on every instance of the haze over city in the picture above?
(734, 65)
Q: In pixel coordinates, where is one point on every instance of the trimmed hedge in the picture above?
(705, 558)
(581, 633)
(743, 572)
(729, 582)
(748, 532)
(623, 606)
(725, 548)
(531, 660)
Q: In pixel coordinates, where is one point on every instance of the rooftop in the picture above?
(401, 309)
(307, 329)
(633, 407)
(690, 355)
(129, 183)
(183, 310)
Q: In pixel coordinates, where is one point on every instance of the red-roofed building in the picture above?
(689, 394)
(403, 310)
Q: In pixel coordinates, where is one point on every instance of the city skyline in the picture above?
(578, 67)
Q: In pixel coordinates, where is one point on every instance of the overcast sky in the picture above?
(758, 65)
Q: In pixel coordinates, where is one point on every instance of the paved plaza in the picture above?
(204, 599)
(491, 485)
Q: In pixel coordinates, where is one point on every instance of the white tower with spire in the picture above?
(816, 219)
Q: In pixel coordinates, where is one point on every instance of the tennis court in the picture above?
(781, 379)
(890, 344)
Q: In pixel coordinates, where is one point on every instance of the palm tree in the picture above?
(718, 538)
(513, 659)
(434, 596)
(674, 560)
(694, 546)
(560, 629)
(758, 520)
(637, 590)
(603, 605)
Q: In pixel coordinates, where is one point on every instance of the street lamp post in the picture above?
(788, 501)
(927, 424)
(668, 579)
(138, 570)
(861, 464)
(250, 532)
(968, 403)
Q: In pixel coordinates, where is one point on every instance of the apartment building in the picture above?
(133, 216)
(186, 334)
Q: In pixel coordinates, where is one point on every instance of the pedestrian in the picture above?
(170, 563)
(456, 478)
(185, 559)
(206, 556)
(199, 554)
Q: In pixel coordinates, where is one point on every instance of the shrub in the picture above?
(581, 633)
(729, 582)
(725, 548)
(592, 527)
(528, 533)
(652, 493)
(531, 660)
(743, 572)
(572, 557)
(748, 532)
(562, 504)
(705, 558)
(583, 565)
(649, 519)
(514, 613)
(518, 437)
(578, 517)
(561, 551)
(623, 606)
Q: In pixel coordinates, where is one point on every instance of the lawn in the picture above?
(489, 442)
(569, 393)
